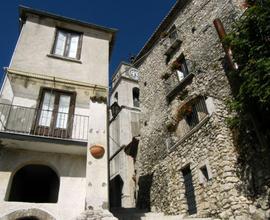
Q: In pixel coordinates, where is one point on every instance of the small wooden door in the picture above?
(189, 191)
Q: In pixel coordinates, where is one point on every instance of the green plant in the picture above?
(175, 65)
(250, 43)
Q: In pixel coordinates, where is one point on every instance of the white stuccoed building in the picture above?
(124, 135)
(53, 109)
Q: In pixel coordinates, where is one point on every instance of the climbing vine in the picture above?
(250, 43)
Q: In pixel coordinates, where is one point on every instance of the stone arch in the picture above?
(34, 183)
(23, 164)
(30, 214)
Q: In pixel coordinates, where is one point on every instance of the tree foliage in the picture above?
(250, 43)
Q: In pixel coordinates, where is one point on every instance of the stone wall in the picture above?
(163, 154)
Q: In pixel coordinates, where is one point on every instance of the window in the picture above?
(197, 112)
(192, 117)
(173, 34)
(192, 113)
(54, 115)
(116, 97)
(181, 70)
(67, 44)
(205, 173)
(136, 97)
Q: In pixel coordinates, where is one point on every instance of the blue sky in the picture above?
(135, 20)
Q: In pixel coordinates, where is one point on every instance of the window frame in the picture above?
(182, 68)
(67, 45)
(52, 130)
(136, 97)
(173, 34)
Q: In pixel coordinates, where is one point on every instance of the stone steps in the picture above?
(135, 214)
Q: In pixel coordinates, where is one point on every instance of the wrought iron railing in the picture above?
(43, 122)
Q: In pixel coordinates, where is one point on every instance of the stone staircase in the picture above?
(136, 214)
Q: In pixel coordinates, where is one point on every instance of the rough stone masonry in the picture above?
(208, 148)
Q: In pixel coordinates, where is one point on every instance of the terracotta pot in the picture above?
(97, 151)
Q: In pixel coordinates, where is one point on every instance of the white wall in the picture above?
(71, 171)
(36, 42)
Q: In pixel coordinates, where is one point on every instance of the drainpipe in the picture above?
(222, 33)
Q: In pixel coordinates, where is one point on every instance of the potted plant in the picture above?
(184, 110)
(175, 65)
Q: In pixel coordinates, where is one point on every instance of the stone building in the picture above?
(124, 131)
(53, 110)
(187, 161)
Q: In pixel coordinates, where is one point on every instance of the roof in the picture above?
(119, 66)
(23, 11)
(161, 28)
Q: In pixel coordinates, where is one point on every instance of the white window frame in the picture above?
(69, 35)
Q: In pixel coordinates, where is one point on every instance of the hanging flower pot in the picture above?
(97, 151)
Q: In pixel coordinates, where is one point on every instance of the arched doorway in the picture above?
(29, 214)
(34, 183)
(28, 218)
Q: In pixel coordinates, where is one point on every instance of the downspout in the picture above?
(222, 33)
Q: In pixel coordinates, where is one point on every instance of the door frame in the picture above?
(52, 130)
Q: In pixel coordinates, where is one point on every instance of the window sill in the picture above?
(64, 58)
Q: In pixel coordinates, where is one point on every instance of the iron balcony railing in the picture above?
(42, 122)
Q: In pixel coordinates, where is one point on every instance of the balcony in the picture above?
(50, 129)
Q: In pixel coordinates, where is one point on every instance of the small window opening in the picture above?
(173, 34)
(181, 69)
(192, 117)
(168, 58)
(116, 97)
(136, 97)
(204, 173)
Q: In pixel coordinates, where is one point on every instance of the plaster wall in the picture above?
(124, 90)
(97, 168)
(27, 94)
(36, 41)
(70, 169)
(122, 132)
(33, 55)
